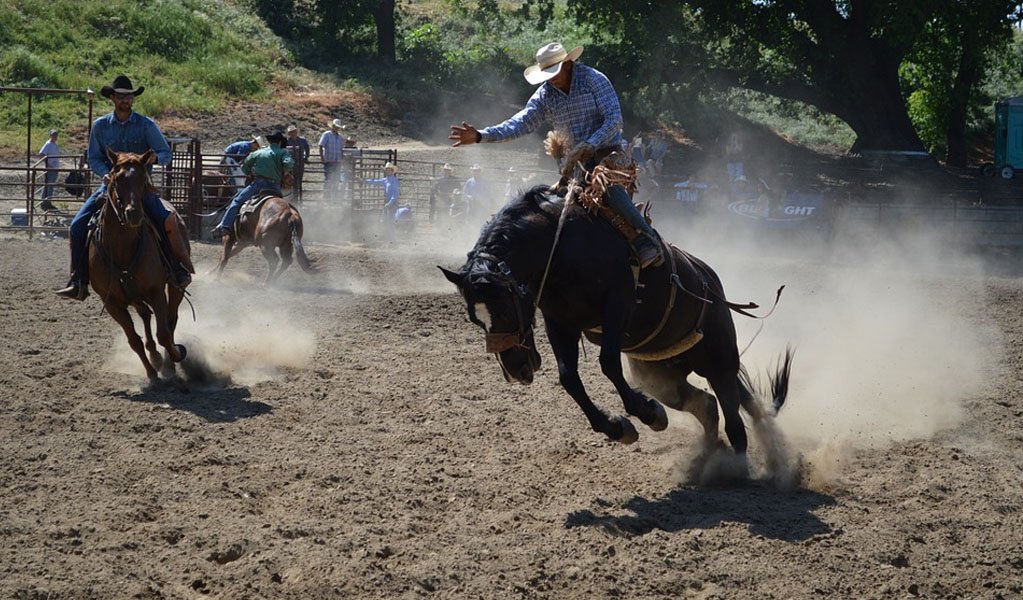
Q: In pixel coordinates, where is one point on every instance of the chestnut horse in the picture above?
(126, 267)
(275, 226)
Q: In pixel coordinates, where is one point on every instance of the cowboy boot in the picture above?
(75, 290)
(647, 244)
(176, 245)
(78, 285)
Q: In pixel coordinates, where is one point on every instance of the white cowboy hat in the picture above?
(548, 62)
(261, 141)
(336, 123)
(391, 166)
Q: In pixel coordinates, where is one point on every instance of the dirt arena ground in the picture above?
(365, 446)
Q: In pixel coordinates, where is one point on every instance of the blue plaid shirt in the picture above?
(589, 112)
(137, 135)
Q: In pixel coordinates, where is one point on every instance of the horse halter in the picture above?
(498, 342)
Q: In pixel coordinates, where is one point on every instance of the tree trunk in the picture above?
(955, 136)
(383, 15)
(869, 97)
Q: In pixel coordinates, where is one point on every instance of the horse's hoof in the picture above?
(629, 433)
(182, 351)
(660, 421)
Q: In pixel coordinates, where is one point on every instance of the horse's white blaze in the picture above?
(483, 314)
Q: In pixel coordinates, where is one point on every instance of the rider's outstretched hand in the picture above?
(464, 135)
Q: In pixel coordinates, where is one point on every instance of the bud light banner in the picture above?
(792, 210)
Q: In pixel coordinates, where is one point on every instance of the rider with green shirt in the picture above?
(267, 167)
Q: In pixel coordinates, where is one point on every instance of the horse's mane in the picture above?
(524, 215)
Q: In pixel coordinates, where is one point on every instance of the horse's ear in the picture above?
(149, 157)
(112, 156)
(453, 277)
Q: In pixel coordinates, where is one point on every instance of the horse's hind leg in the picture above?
(270, 254)
(726, 387)
(286, 251)
(669, 385)
(120, 314)
(154, 353)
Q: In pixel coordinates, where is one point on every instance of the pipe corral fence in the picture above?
(198, 183)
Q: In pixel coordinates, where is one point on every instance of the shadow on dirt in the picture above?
(226, 406)
(785, 516)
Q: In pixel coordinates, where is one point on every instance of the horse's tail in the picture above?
(778, 382)
(308, 264)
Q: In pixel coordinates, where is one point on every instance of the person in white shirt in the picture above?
(52, 153)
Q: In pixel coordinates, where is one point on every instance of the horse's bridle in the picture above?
(116, 206)
(498, 342)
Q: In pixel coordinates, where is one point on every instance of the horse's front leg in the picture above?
(565, 343)
(154, 353)
(636, 403)
(164, 333)
(120, 314)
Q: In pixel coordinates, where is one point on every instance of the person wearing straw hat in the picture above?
(392, 190)
(443, 188)
(581, 102)
(331, 146)
(267, 167)
(124, 130)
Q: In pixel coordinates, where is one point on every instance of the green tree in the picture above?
(943, 73)
(842, 56)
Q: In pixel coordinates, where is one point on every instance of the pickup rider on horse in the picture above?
(580, 102)
(267, 167)
(124, 131)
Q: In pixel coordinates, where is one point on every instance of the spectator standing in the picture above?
(331, 147)
(734, 157)
(51, 151)
(474, 192)
(350, 153)
(443, 190)
(301, 157)
(656, 150)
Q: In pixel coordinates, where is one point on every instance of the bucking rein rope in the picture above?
(601, 179)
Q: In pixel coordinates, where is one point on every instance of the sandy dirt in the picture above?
(365, 446)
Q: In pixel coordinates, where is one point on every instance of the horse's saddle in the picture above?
(253, 204)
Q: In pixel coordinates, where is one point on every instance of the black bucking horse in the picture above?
(672, 322)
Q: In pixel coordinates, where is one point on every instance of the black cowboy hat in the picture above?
(121, 85)
(277, 138)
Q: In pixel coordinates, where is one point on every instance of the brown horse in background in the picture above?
(274, 226)
(126, 267)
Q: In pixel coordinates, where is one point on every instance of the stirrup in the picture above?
(648, 252)
(74, 291)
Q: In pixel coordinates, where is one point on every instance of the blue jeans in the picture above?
(50, 183)
(79, 234)
(243, 196)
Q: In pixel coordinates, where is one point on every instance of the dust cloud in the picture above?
(240, 335)
(890, 342)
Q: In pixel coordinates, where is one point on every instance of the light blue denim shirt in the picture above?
(137, 135)
(589, 112)
(391, 185)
